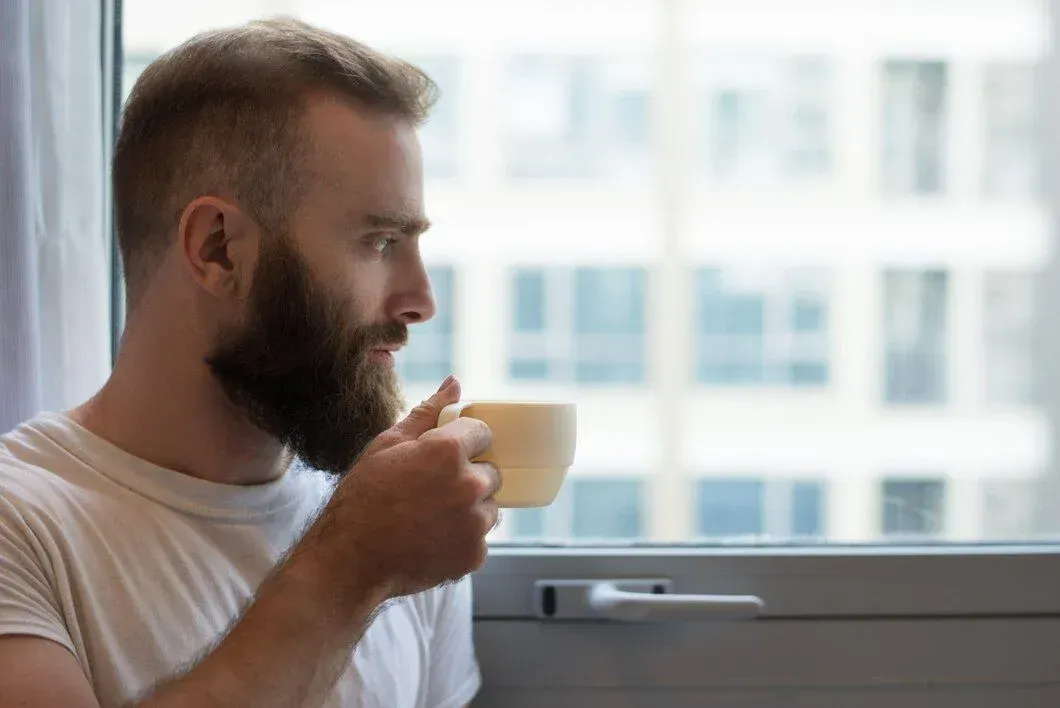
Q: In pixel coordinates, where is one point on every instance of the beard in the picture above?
(299, 367)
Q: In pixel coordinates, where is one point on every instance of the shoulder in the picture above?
(32, 470)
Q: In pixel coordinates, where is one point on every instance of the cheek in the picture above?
(364, 288)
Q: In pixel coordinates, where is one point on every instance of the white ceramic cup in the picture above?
(533, 446)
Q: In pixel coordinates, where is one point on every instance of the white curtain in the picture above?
(54, 256)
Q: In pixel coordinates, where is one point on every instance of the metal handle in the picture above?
(636, 599)
(608, 601)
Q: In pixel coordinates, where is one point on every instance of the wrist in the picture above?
(342, 580)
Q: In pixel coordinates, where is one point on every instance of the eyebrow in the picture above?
(408, 224)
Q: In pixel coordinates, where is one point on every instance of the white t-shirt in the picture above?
(137, 570)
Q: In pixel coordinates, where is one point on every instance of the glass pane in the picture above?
(807, 505)
(574, 116)
(606, 509)
(730, 507)
(526, 523)
(914, 126)
(1011, 164)
(913, 507)
(440, 135)
(765, 119)
(1008, 337)
(916, 306)
(762, 327)
(792, 283)
(529, 296)
(429, 354)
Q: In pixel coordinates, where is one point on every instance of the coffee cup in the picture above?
(533, 446)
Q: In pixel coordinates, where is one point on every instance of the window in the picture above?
(758, 329)
(764, 120)
(584, 325)
(607, 508)
(428, 358)
(916, 331)
(440, 135)
(1008, 324)
(731, 508)
(781, 262)
(1009, 508)
(914, 127)
(576, 117)
(778, 509)
(913, 507)
(590, 508)
(526, 523)
(1010, 163)
(132, 65)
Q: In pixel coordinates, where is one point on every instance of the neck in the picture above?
(162, 405)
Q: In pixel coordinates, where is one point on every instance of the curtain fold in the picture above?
(54, 253)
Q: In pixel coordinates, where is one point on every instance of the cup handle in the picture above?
(451, 413)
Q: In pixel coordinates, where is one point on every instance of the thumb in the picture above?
(424, 417)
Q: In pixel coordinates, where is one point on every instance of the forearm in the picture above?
(288, 649)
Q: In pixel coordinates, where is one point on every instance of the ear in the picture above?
(219, 244)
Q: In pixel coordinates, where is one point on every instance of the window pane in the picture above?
(596, 335)
(762, 328)
(429, 354)
(807, 509)
(440, 135)
(526, 523)
(575, 117)
(779, 276)
(606, 509)
(916, 331)
(609, 325)
(1010, 166)
(1009, 508)
(1008, 329)
(914, 126)
(765, 120)
(913, 507)
(730, 507)
(530, 301)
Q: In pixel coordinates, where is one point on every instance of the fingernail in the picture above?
(447, 383)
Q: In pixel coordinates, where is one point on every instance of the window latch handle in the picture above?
(638, 600)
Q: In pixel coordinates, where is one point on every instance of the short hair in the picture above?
(221, 114)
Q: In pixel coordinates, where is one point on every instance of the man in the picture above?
(159, 545)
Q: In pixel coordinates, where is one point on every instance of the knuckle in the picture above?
(473, 485)
(494, 478)
(448, 450)
(483, 430)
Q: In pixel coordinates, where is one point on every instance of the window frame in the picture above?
(929, 580)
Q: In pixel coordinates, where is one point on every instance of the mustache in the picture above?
(390, 334)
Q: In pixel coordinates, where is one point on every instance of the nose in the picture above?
(414, 303)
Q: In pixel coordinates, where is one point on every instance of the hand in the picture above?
(414, 511)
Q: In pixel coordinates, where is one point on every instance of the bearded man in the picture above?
(238, 518)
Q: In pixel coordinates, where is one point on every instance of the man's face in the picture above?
(311, 362)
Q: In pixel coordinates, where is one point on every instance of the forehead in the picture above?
(364, 157)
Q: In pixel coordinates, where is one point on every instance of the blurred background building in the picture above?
(781, 252)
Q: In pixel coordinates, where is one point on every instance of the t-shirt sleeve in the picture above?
(27, 600)
(454, 672)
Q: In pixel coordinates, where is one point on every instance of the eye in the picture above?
(382, 244)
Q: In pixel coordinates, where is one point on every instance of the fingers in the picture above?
(489, 478)
(491, 515)
(424, 417)
(464, 438)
